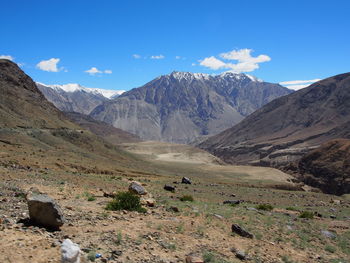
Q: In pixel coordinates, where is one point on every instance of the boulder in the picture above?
(241, 231)
(169, 188)
(70, 252)
(137, 188)
(44, 211)
(186, 180)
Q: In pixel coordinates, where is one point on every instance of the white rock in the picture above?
(70, 252)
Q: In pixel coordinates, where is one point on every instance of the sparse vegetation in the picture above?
(91, 256)
(210, 257)
(307, 215)
(126, 201)
(330, 249)
(119, 239)
(265, 207)
(186, 198)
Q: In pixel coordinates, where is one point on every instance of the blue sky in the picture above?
(286, 40)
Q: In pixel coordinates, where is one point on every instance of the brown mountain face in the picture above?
(182, 106)
(288, 127)
(33, 133)
(106, 131)
(328, 167)
(22, 104)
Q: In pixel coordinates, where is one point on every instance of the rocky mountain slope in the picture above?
(108, 132)
(182, 106)
(288, 127)
(22, 104)
(75, 98)
(34, 131)
(328, 167)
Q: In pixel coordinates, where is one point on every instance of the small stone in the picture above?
(328, 234)
(70, 252)
(137, 188)
(150, 202)
(240, 255)
(186, 180)
(174, 209)
(218, 216)
(241, 231)
(169, 188)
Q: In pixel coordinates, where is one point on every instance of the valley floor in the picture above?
(202, 227)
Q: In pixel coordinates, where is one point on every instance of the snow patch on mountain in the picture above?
(188, 76)
(73, 87)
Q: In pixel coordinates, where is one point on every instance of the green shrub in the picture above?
(91, 256)
(185, 198)
(330, 249)
(306, 214)
(210, 257)
(266, 207)
(126, 201)
(91, 198)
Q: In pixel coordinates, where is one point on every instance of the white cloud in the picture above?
(298, 84)
(94, 70)
(177, 57)
(246, 63)
(157, 57)
(7, 57)
(136, 56)
(213, 63)
(294, 82)
(193, 64)
(49, 65)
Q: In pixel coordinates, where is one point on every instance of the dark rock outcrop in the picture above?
(328, 167)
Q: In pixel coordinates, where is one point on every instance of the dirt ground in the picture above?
(201, 227)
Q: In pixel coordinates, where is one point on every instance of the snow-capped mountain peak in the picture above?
(189, 76)
(239, 76)
(73, 87)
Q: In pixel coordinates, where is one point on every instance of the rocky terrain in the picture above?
(172, 230)
(190, 208)
(287, 128)
(327, 167)
(108, 132)
(75, 98)
(182, 106)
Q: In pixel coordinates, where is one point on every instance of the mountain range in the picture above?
(181, 107)
(285, 129)
(76, 98)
